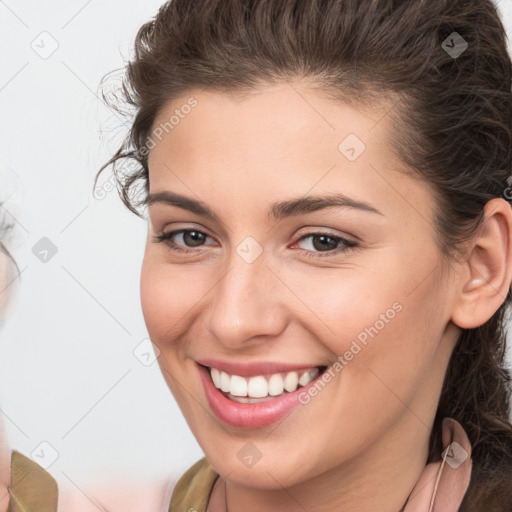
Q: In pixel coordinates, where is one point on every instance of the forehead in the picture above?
(279, 113)
(281, 139)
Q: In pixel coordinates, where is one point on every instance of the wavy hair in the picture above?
(452, 124)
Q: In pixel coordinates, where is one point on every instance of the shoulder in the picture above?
(31, 488)
(193, 489)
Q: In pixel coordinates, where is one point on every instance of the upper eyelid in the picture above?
(180, 231)
(321, 231)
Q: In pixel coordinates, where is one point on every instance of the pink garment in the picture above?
(442, 485)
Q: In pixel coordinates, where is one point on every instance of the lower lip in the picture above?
(243, 415)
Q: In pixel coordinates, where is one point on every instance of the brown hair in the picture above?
(452, 124)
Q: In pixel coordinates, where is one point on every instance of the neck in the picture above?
(381, 478)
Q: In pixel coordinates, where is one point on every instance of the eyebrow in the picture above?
(278, 210)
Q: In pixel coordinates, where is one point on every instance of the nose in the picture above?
(246, 304)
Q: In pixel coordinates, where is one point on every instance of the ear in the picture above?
(487, 272)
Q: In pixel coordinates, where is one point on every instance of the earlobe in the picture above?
(487, 279)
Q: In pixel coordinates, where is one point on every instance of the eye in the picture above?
(192, 236)
(326, 243)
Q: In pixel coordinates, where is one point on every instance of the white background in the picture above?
(68, 375)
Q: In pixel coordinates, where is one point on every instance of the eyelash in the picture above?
(348, 244)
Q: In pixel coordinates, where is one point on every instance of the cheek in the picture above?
(379, 321)
(167, 299)
(386, 352)
(345, 305)
(397, 361)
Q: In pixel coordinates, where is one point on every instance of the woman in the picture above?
(329, 253)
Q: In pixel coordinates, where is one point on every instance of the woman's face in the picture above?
(359, 287)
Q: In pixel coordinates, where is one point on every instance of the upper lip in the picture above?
(254, 368)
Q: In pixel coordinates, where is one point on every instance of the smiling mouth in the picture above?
(262, 388)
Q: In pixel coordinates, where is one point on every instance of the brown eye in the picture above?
(193, 238)
(326, 243)
(190, 238)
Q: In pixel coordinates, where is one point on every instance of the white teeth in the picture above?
(225, 379)
(238, 386)
(259, 386)
(291, 381)
(215, 377)
(275, 385)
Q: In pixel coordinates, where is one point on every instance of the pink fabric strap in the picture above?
(443, 484)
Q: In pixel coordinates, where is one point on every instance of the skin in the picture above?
(361, 444)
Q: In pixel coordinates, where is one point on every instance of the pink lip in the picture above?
(253, 369)
(241, 415)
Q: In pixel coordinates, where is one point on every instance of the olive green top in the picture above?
(32, 489)
(193, 490)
